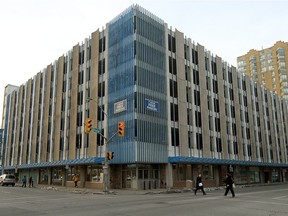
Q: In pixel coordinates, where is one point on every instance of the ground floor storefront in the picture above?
(184, 175)
(151, 176)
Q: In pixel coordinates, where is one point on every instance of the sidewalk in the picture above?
(134, 191)
(99, 191)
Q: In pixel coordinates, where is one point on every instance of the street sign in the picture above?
(152, 105)
(97, 130)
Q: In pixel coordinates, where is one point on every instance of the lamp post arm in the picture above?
(89, 99)
(107, 141)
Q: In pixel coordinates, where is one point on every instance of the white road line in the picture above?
(259, 192)
(281, 197)
(5, 192)
(273, 203)
(192, 200)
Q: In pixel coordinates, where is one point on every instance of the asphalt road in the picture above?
(254, 201)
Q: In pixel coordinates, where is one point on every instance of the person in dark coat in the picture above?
(24, 180)
(229, 185)
(30, 182)
(199, 185)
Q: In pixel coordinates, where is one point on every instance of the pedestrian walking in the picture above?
(75, 179)
(199, 185)
(30, 182)
(229, 185)
(24, 180)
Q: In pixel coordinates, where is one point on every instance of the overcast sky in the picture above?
(34, 33)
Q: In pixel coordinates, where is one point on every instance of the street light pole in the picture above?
(106, 165)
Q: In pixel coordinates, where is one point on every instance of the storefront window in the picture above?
(254, 176)
(208, 172)
(241, 175)
(71, 171)
(57, 176)
(275, 176)
(43, 176)
(94, 173)
(182, 172)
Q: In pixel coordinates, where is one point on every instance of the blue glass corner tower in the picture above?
(137, 87)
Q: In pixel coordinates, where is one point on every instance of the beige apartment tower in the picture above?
(268, 66)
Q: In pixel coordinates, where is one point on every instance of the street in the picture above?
(269, 200)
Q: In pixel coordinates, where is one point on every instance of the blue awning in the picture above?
(94, 160)
(181, 159)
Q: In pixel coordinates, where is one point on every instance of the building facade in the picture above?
(185, 111)
(268, 66)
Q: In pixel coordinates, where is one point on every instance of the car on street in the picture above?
(7, 179)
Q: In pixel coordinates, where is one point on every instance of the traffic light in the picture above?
(121, 128)
(110, 155)
(88, 125)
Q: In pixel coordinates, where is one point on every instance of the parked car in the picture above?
(7, 179)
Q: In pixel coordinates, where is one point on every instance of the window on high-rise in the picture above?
(282, 64)
(175, 136)
(172, 66)
(215, 86)
(194, 57)
(198, 121)
(174, 112)
(102, 45)
(216, 105)
(195, 77)
(171, 43)
(217, 125)
(230, 77)
(199, 141)
(263, 69)
(173, 89)
(206, 64)
(218, 144)
(197, 97)
(283, 77)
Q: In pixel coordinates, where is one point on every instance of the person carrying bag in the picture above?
(229, 185)
(199, 185)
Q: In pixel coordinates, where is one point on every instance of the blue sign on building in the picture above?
(152, 105)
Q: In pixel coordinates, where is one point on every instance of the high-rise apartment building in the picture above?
(268, 66)
(184, 111)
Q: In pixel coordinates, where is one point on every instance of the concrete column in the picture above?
(189, 172)
(169, 176)
(82, 176)
(283, 175)
(49, 176)
(63, 177)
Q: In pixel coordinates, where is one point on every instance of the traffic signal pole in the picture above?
(106, 165)
(106, 141)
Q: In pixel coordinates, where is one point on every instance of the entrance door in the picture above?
(266, 177)
(128, 176)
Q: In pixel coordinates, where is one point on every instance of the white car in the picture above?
(7, 179)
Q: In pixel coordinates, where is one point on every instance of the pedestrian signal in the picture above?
(110, 155)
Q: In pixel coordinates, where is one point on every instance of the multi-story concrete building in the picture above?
(185, 111)
(4, 121)
(268, 66)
